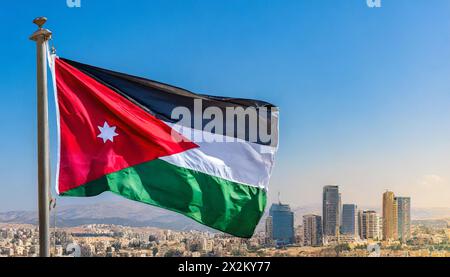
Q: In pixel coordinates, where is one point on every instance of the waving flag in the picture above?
(117, 133)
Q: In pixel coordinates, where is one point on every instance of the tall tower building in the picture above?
(390, 216)
(282, 224)
(331, 208)
(404, 218)
(312, 230)
(349, 224)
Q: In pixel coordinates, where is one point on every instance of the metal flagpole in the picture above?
(41, 36)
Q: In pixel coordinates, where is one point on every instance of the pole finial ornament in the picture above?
(41, 33)
(40, 21)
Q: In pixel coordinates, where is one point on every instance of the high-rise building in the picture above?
(269, 229)
(299, 234)
(390, 216)
(369, 225)
(380, 227)
(349, 224)
(361, 226)
(282, 224)
(404, 218)
(312, 230)
(331, 207)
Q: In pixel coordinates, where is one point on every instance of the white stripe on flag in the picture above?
(240, 161)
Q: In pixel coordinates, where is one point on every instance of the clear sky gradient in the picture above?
(364, 93)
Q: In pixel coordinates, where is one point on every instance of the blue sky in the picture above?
(364, 93)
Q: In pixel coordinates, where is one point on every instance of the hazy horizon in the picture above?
(111, 199)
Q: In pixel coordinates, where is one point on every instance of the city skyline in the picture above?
(342, 223)
(356, 232)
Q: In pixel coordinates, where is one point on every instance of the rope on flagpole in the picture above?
(52, 208)
(51, 53)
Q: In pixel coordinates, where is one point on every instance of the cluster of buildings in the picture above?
(19, 241)
(341, 223)
(100, 240)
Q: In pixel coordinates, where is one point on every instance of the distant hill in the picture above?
(437, 223)
(126, 213)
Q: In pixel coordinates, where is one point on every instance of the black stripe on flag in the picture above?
(161, 99)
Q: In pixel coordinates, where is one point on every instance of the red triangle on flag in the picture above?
(102, 132)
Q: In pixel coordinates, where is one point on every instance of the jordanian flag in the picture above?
(118, 133)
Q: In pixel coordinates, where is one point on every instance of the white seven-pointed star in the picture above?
(107, 132)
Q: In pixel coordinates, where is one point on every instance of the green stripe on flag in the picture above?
(221, 204)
